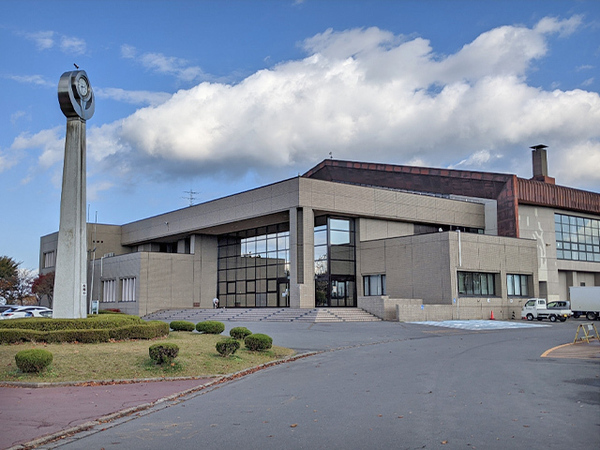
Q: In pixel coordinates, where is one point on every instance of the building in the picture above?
(402, 242)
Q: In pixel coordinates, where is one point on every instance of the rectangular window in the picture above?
(574, 236)
(109, 291)
(518, 285)
(374, 284)
(475, 283)
(49, 259)
(128, 289)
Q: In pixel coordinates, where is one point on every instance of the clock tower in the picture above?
(76, 99)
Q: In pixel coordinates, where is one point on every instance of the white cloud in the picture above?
(168, 65)
(46, 40)
(72, 45)
(133, 97)
(37, 80)
(564, 27)
(93, 189)
(588, 82)
(16, 116)
(367, 94)
(51, 143)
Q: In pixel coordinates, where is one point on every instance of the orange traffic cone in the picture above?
(492, 316)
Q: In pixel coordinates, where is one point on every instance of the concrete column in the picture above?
(70, 284)
(302, 276)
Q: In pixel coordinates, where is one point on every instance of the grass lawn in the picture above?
(130, 360)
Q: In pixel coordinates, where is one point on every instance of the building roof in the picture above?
(507, 189)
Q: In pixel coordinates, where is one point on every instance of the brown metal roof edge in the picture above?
(544, 194)
(382, 167)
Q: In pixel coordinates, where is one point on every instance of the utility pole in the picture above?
(190, 196)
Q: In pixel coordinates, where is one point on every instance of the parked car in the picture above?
(7, 307)
(20, 312)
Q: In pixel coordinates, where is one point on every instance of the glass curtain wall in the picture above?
(334, 257)
(254, 268)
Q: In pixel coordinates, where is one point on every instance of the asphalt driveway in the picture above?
(384, 385)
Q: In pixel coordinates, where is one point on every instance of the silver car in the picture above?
(20, 312)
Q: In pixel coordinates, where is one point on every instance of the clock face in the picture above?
(82, 86)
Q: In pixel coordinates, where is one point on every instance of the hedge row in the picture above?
(146, 330)
(95, 322)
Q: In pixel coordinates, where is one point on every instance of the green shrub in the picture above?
(239, 333)
(82, 336)
(86, 331)
(257, 342)
(210, 327)
(33, 361)
(227, 346)
(163, 353)
(93, 322)
(182, 325)
(12, 336)
(147, 330)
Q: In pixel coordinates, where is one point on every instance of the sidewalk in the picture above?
(29, 413)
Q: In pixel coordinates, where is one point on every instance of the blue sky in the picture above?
(222, 96)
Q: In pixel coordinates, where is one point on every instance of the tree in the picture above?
(9, 278)
(21, 293)
(42, 286)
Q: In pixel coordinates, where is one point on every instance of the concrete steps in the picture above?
(317, 315)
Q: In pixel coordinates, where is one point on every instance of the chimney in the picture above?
(540, 164)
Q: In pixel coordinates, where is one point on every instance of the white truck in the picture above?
(585, 301)
(536, 308)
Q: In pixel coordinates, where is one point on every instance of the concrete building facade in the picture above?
(404, 243)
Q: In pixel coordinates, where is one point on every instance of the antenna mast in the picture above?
(191, 196)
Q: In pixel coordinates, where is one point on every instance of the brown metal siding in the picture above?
(543, 194)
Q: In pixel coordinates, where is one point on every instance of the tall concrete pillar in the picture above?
(76, 101)
(302, 276)
(70, 284)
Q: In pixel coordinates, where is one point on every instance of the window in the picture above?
(476, 284)
(374, 284)
(334, 262)
(577, 238)
(253, 264)
(128, 290)
(49, 259)
(109, 291)
(518, 285)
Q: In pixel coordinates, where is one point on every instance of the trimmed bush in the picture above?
(182, 325)
(94, 322)
(258, 342)
(147, 330)
(33, 361)
(12, 336)
(210, 327)
(239, 333)
(82, 336)
(84, 330)
(227, 346)
(163, 353)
